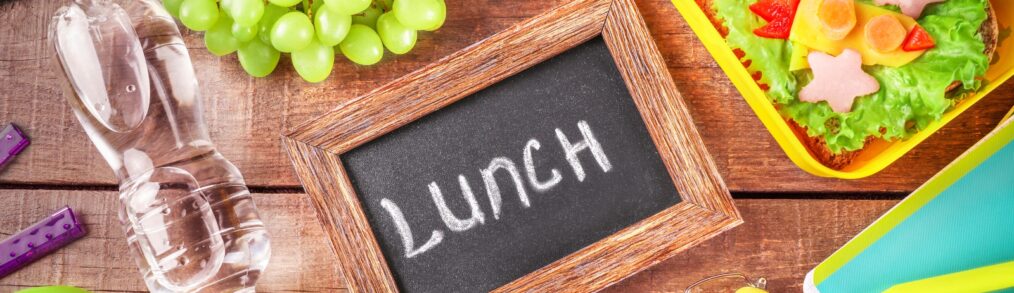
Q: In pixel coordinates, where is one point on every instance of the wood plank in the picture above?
(245, 115)
(301, 259)
(781, 240)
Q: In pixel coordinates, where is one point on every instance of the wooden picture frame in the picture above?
(706, 208)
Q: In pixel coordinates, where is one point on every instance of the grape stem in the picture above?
(381, 3)
(307, 5)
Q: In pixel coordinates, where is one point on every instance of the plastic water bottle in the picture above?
(189, 218)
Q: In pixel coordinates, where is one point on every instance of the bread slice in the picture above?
(817, 145)
(989, 31)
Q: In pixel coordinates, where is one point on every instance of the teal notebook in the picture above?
(963, 218)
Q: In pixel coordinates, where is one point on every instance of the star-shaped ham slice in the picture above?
(838, 80)
(912, 8)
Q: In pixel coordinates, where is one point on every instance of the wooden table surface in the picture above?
(793, 219)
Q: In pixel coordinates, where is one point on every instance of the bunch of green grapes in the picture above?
(310, 30)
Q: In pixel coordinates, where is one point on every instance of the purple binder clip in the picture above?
(38, 240)
(12, 141)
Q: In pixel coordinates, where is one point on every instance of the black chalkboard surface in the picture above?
(554, 156)
(578, 95)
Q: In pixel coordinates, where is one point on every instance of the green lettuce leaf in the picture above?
(911, 96)
(770, 57)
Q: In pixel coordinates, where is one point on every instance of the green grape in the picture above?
(420, 14)
(271, 15)
(316, 5)
(173, 6)
(285, 3)
(246, 12)
(331, 27)
(442, 16)
(368, 17)
(314, 62)
(258, 58)
(243, 33)
(396, 37)
(347, 7)
(219, 39)
(199, 15)
(225, 4)
(362, 45)
(293, 31)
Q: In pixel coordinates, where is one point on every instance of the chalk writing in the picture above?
(505, 166)
(588, 142)
(493, 189)
(554, 179)
(406, 232)
(452, 222)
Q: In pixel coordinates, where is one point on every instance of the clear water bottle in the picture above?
(189, 218)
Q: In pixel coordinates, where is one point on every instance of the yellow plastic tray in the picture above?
(877, 155)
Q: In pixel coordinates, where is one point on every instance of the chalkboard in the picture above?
(556, 155)
(581, 85)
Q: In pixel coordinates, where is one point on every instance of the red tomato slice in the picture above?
(772, 9)
(764, 8)
(918, 39)
(778, 29)
(779, 14)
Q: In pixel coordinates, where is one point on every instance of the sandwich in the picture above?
(844, 73)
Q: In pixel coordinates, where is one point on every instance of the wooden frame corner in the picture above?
(706, 210)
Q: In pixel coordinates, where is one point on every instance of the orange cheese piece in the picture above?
(807, 33)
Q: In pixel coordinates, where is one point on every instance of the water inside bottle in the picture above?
(189, 218)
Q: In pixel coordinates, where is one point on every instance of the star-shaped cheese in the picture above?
(838, 80)
(912, 8)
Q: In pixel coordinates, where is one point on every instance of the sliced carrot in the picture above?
(885, 33)
(838, 17)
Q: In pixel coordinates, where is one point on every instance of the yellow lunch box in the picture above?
(877, 155)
